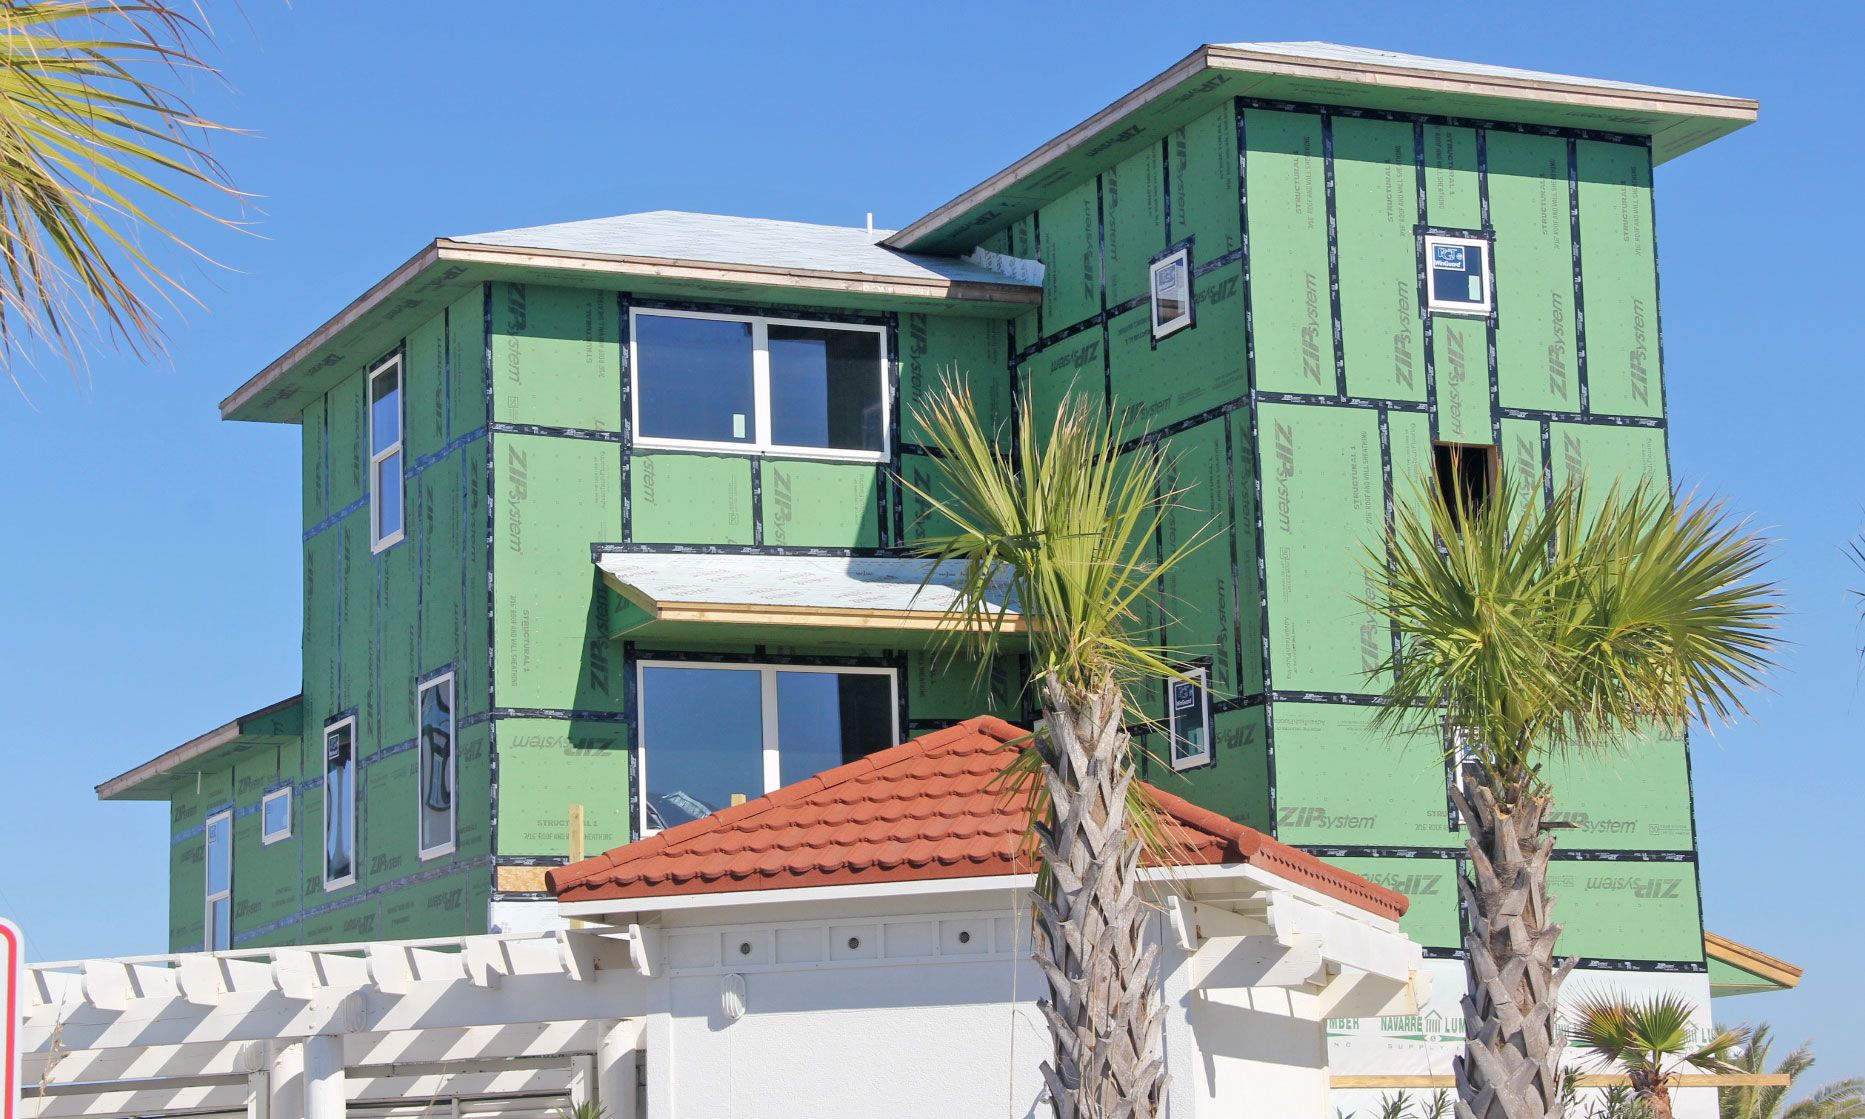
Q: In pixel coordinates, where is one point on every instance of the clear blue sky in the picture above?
(149, 554)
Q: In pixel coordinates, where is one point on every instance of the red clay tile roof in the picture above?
(924, 810)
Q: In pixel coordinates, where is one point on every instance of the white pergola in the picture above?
(514, 1025)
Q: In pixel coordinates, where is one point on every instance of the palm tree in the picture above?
(93, 143)
(1529, 628)
(1842, 1099)
(1653, 1040)
(1068, 523)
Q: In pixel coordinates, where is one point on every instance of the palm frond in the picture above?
(1655, 1035)
(92, 146)
(1537, 626)
(1065, 522)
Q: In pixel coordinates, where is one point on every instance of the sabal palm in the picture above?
(97, 156)
(1531, 628)
(1067, 523)
(1652, 1040)
(1842, 1099)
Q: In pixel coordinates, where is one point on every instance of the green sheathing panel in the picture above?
(1242, 486)
(1200, 594)
(374, 624)
(935, 346)
(1203, 164)
(1620, 278)
(1528, 204)
(556, 360)
(1236, 780)
(1323, 500)
(821, 504)
(1605, 454)
(1634, 796)
(1642, 911)
(1453, 193)
(1521, 453)
(1289, 252)
(1186, 374)
(1071, 254)
(1134, 215)
(1460, 350)
(313, 460)
(545, 766)
(1430, 883)
(690, 499)
(554, 497)
(1074, 365)
(940, 690)
(1340, 784)
(1382, 338)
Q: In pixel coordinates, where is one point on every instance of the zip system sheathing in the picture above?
(1313, 276)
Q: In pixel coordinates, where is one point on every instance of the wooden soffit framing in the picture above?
(896, 598)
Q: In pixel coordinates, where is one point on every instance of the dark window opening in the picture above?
(1466, 476)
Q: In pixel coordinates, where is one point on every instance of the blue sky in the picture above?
(149, 557)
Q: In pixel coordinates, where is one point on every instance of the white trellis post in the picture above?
(323, 1077)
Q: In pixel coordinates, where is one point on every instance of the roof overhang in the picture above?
(899, 600)
(445, 270)
(278, 724)
(1675, 121)
(1737, 969)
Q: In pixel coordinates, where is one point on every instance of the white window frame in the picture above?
(760, 443)
(268, 838)
(1200, 680)
(207, 879)
(453, 768)
(1474, 310)
(773, 752)
(378, 542)
(1180, 257)
(330, 883)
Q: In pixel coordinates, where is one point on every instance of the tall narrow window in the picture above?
(1173, 307)
(340, 804)
(715, 734)
(1188, 719)
(385, 454)
(1466, 474)
(438, 773)
(219, 936)
(766, 386)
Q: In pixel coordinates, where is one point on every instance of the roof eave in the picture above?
(1752, 960)
(192, 750)
(457, 260)
(1685, 106)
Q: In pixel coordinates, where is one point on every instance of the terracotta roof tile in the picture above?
(926, 809)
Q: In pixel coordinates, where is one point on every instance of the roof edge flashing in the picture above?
(1519, 87)
(192, 750)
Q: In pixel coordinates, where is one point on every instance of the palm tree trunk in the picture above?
(1511, 1067)
(1655, 1091)
(1103, 1006)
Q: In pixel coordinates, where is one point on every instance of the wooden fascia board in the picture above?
(1754, 962)
(1577, 93)
(1686, 110)
(765, 614)
(699, 271)
(196, 747)
(379, 292)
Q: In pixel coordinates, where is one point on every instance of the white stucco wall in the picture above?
(929, 1011)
